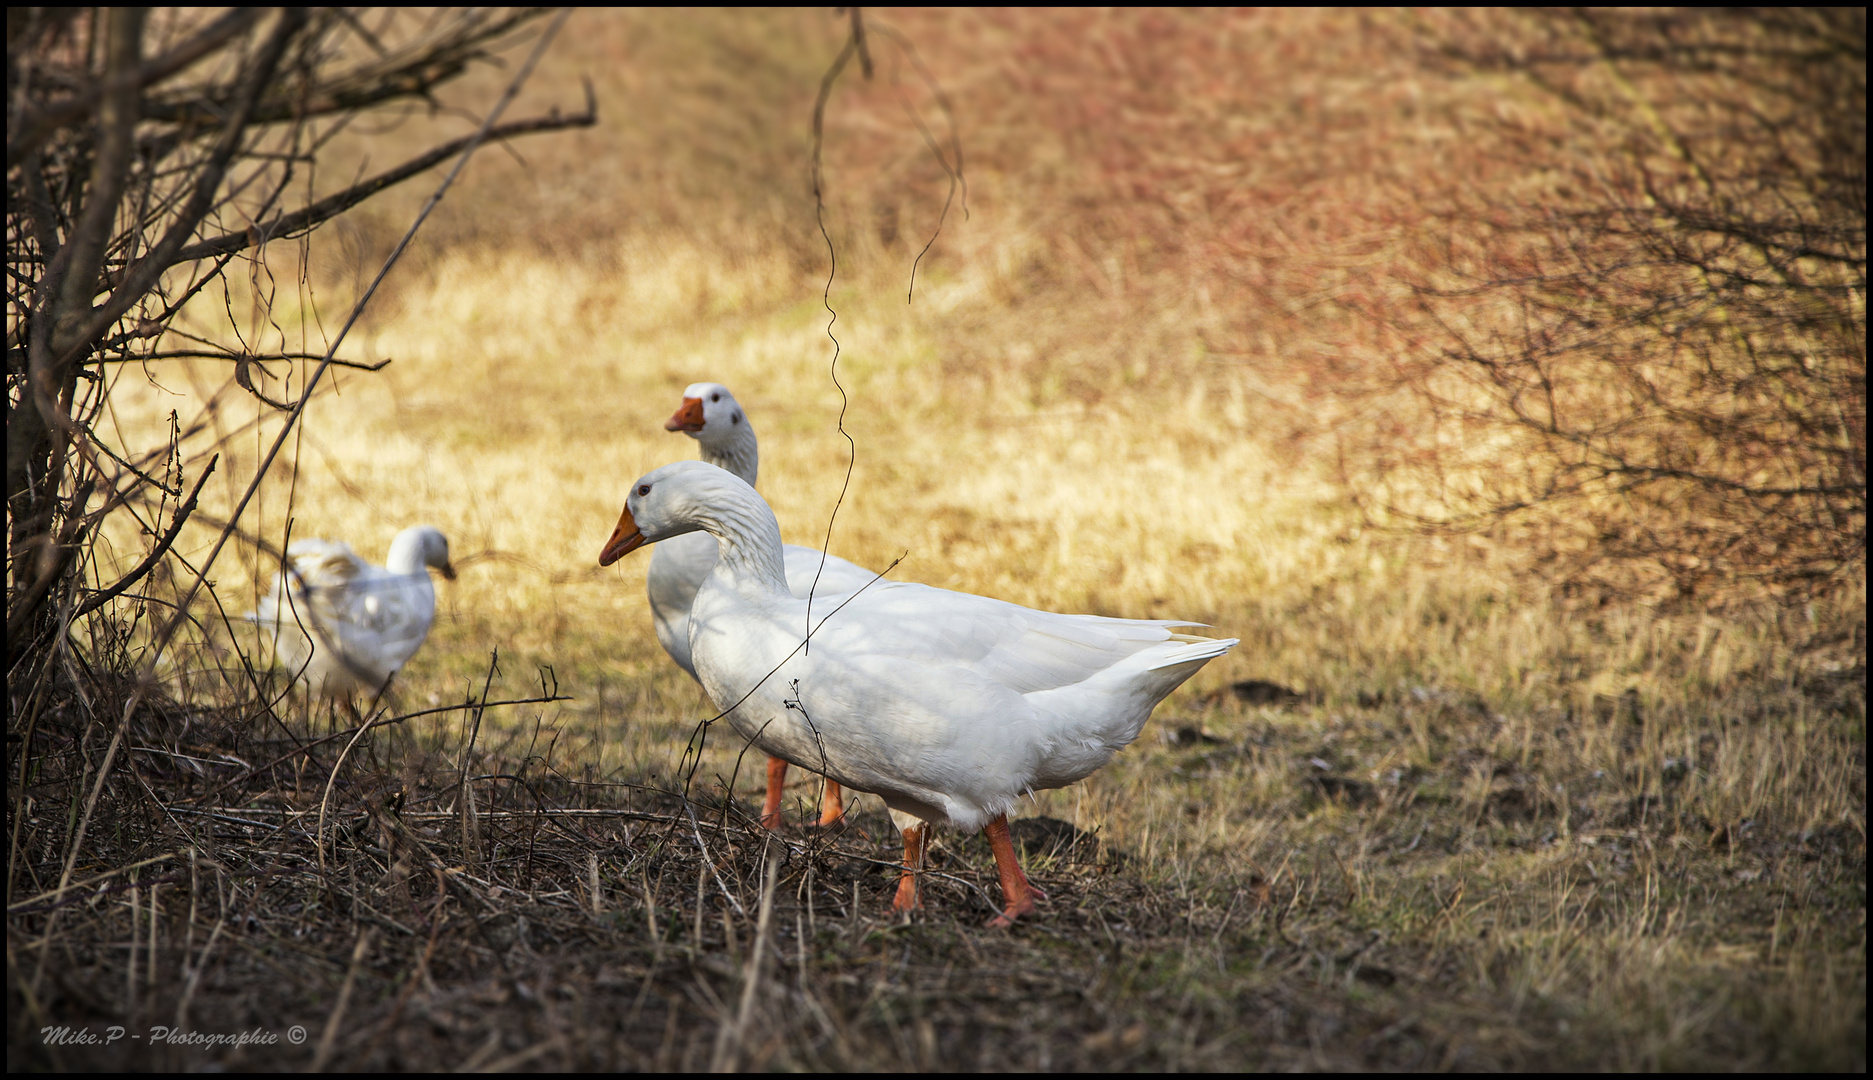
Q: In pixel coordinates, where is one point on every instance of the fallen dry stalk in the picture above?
(330, 1037)
(731, 1036)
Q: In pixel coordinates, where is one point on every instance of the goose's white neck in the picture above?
(732, 447)
(407, 554)
(747, 538)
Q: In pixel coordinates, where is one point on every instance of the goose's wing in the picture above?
(310, 565)
(836, 578)
(1020, 648)
(366, 617)
(375, 619)
(948, 705)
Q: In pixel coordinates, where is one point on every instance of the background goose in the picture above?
(946, 705)
(711, 415)
(345, 626)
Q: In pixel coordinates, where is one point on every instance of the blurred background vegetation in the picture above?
(1586, 285)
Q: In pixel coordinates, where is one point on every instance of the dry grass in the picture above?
(1493, 831)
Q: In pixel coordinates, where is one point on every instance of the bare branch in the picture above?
(144, 273)
(210, 354)
(407, 77)
(288, 225)
(35, 124)
(116, 121)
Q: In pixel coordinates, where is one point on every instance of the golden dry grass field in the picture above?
(1494, 827)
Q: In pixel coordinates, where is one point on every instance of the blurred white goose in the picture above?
(948, 706)
(345, 626)
(710, 415)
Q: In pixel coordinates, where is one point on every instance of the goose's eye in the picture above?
(715, 397)
(643, 490)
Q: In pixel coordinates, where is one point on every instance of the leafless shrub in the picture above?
(1635, 333)
(146, 153)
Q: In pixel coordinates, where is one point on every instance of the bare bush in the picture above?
(1635, 331)
(147, 152)
(1592, 282)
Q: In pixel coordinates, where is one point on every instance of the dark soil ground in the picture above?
(573, 921)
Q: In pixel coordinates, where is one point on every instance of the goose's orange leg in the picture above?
(831, 803)
(915, 839)
(776, 780)
(1017, 894)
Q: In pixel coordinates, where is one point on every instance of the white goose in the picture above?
(946, 705)
(711, 415)
(344, 626)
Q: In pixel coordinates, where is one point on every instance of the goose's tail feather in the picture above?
(1194, 650)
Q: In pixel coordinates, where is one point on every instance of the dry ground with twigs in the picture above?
(1427, 815)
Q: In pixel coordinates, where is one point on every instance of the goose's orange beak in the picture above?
(688, 418)
(624, 539)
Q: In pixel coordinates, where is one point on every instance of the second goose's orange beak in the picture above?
(688, 418)
(624, 539)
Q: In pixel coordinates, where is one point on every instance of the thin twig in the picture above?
(99, 599)
(195, 974)
(84, 821)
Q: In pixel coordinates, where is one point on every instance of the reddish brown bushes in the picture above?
(1597, 281)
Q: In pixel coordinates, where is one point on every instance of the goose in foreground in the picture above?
(344, 626)
(711, 415)
(948, 706)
